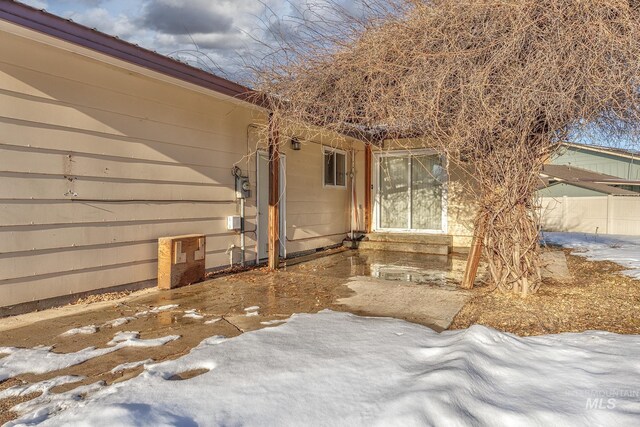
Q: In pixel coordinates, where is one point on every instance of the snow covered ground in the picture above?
(340, 369)
(624, 250)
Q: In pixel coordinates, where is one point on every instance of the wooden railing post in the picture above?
(274, 194)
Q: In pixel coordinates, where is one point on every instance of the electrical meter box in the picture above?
(243, 187)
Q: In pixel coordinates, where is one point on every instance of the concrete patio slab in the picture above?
(427, 305)
(554, 266)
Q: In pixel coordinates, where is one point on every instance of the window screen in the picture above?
(340, 169)
(329, 168)
(335, 169)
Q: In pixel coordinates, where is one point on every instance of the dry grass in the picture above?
(109, 296)
(596, 298)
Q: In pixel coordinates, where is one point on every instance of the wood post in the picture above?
(274, 194)
(367, 188)
(473, 261)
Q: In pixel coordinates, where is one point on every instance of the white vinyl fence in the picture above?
(602, 214)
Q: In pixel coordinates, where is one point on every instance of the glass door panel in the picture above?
(394, 192)
(427, 176)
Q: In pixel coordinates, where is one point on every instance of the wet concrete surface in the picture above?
(415, 287)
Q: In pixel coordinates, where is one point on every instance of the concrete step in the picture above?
(428, 239)
(419, 248)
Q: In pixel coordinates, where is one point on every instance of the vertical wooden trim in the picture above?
(274, 194)
(367, 187)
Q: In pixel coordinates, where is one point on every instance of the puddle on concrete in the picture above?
(420, 269)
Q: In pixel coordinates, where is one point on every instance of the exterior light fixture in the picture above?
(295, 144)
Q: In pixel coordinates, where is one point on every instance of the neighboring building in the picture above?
(591, 189)
(564, 180)
(580, 170)
(106, 147)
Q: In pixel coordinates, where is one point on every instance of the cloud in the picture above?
(89, 3)
(178, 17)
(119, 25)
(38, 4)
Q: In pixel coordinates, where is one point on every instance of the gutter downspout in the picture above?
(242, 233)
(352, 175)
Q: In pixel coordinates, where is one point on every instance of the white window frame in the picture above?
(326, 150)
(375, 172)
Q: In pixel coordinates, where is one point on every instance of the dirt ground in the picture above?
(597, 298)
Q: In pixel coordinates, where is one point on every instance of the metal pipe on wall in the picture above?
(352, 176)
(242, 233)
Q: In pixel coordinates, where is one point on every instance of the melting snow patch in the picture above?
(118, 322)
(193, 314)
(623, 250)
(251, 311)
(273, 322)
(157, 309)
(39, 360)
(42, 407)
(212, 321)
(84, 330)
(164, 308)
(132, 339)
(130, 365)
(340, 369)
(42, 386)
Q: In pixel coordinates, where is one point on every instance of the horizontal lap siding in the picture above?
(97, 162)
(317, 216)
(461, 206)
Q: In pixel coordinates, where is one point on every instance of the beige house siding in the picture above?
(100, 158)
(461, 208)
(316, 216)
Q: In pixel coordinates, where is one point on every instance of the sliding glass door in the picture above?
(411, 192)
